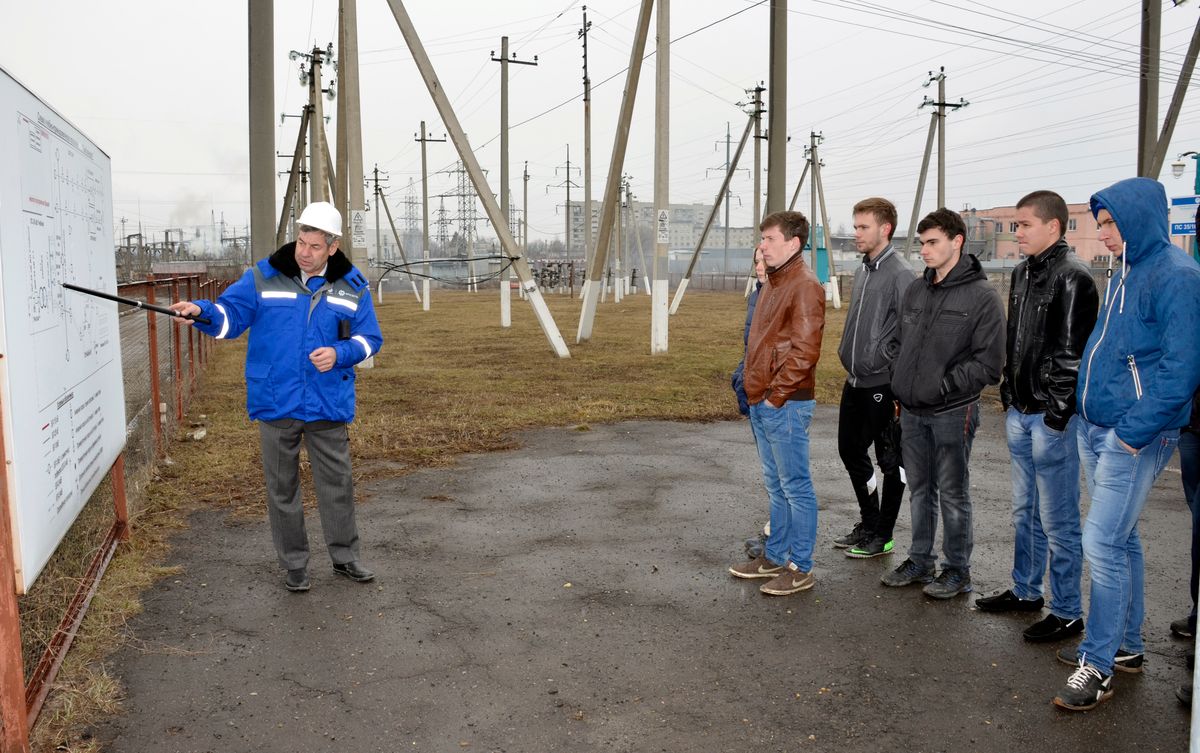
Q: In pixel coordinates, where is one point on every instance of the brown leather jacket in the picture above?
(785, 336)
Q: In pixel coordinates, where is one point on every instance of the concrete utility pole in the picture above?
(728, 199)
(321, 166)
(467, 155)
(525, 211)
(659, 310)
(819, 184)
(588, 250)
(290, 199)
(567, 184)
(591, 292)
(758, 139)
(399, 244)
(352, 200)
(937, 125)
(777, 109)
(731, 168)
(261, 23)
(1181, 87)
(799, 185)
(1148, 86)
(637, 231)
(504, 60)
(425, 213)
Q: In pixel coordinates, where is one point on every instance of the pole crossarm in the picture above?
(467, 155)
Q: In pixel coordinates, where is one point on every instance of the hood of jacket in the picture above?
(968, 269)
(1139, 207)
(284, 260)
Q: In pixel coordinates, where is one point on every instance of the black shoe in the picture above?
(1007, 601)
(1124, 661)
(856, 535)
(1184, 627)
(296, 580)
(949, 583)
(756, 546)
(1184, 694)
(1053, 628)
(354, 572)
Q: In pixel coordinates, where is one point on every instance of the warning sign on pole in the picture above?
(664, 226)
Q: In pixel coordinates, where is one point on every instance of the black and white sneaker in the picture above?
(856, 535)
(1085, 689)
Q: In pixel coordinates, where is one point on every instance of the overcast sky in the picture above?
(1052, 85)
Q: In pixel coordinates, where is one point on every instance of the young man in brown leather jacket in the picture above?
(780, 379)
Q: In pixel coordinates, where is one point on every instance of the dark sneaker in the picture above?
(1007, 601)
(1184, 694)
(1127, 662)
(1184, 627)
(950, 583)
(856, 535)
(1085, 689)
(1053, 628)
(759, 567)
(756, 546)
(908, 573)
(296, 580)
(790, 581)
(872, 547)
(1124, 661)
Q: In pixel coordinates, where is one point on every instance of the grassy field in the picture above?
(448, 381)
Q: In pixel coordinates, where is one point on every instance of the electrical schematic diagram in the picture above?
(60, 359)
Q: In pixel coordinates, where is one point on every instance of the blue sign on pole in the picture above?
(1183, 215)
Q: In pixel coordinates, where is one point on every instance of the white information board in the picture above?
(61, 392)
(1183, 215)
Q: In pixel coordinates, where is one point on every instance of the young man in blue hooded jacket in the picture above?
(1139, 370)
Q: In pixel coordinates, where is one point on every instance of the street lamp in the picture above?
(1178, 166)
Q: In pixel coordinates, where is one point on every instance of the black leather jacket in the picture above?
(1051, 311)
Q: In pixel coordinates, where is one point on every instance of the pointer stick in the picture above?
(132, 302)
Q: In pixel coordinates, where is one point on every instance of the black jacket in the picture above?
(951, 340)
(1052, 308)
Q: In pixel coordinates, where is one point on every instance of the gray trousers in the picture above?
(328, 445)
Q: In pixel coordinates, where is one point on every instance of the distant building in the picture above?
(687, 223)
(992, 234)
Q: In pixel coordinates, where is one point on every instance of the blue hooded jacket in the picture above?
(1142, 361)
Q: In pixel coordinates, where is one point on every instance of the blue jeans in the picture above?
(1119, 484)
(782, 436)
(1045, 510)
(1189, 467)
(936, 452)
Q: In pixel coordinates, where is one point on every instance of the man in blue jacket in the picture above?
(311, 320)
(1139, 370)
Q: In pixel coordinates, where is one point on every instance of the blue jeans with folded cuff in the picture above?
(782, 437)
(937, 451)
(1045, 510)
(1119, 483)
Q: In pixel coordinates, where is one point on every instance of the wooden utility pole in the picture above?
(659, 305)
(262, 127)
(504, 60)
(591, 291)
(467, 155)
(425, 213)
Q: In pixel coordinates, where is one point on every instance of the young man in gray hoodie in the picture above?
(868, 413)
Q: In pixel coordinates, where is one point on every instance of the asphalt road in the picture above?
(572, 595)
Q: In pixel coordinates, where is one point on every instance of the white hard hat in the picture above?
(323, 216)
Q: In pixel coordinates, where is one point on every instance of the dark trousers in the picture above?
(865, 419)
(937, 451)
(1189, 466)
(328, 446)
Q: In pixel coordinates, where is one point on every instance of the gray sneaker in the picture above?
(908, 573)
(950, 583)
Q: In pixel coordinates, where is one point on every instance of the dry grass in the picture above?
(449, 381)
